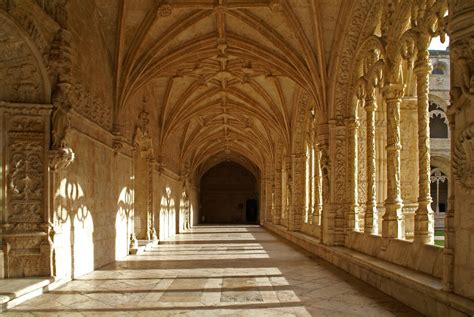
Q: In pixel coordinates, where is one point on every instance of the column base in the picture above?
(392, 221)
(370, 220)
(424, 226)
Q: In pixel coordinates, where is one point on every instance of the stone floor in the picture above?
(217, 271)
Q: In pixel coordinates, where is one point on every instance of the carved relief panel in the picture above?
(24, 212)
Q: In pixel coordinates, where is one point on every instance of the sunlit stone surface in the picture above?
(216, 271)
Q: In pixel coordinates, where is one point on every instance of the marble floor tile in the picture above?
(216, 271)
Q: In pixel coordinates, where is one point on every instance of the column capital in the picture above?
(393, 91)
(423, 67)
(322, 128)
(352, 122)
(298, 156)
(370, 104)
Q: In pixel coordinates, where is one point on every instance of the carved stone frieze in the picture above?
(92, 106)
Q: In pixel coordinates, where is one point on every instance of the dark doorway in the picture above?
(251, 211)
(228, 195)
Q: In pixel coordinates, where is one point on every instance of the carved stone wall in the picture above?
(93, 202)
(167, 190)
(24, 214)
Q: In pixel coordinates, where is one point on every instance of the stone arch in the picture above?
(439, 68)
(365, 71)
(440, 101)
(305, 111)
(23, 75)
(363, 17)
(441, 162)
(439, 124)
(225, 190)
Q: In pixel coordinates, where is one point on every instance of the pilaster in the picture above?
(26, 235)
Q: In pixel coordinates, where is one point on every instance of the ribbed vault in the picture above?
(223, 77)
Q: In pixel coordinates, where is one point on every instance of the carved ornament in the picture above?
(463, 158)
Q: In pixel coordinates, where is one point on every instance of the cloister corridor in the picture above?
(212, 270)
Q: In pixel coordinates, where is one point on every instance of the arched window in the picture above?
(439, 190)
(439, 68)
(438, 122)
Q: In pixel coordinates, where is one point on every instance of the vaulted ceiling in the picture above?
(223, 78)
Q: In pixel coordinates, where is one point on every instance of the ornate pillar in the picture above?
(318, 203)
(338, 176)
(277, 197)
(326, 217)
(381, 165)
(269, 198)
(409, 162)
(26, 234)
(424, 227)
(392, 223)
(151, 232)
(352, 221)
(287, 191)
(297, 205)
(144, 166)
(371, 210)
(459, 221)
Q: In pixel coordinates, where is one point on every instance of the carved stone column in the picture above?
(287, 191)
(144, 166)
(352, 221)
(297, 205)
(338, 175)
(409, 162)
(392, 223)
(424, 228)
(459, 221)
(318, 202)
(371, 210)
(25, 231)
(381, 165)
(268, 198)
(277, 197)
(326, 216)
(152, 232)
